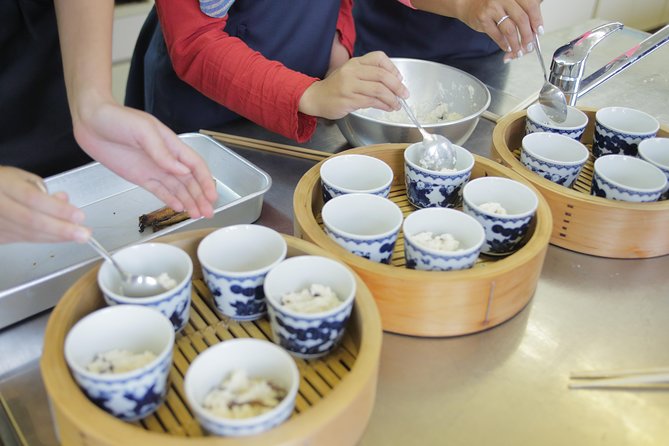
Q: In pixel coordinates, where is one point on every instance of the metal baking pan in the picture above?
(35, 276)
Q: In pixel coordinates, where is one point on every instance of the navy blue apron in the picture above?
(35, 123)
(400, 31)
(297, 33)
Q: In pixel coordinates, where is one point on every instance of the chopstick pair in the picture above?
(645, 379)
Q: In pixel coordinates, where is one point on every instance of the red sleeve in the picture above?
(226, 70)
(345, 25)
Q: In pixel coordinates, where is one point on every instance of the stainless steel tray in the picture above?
(35, 276)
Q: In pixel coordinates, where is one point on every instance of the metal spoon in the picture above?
(133, 285)
(551, 98)
(438, 152)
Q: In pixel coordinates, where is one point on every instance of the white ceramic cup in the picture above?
(259, 359)
(656, 152)
(573, 126)
(558, 158)
(619, 130)
(134, 394)
(354, 173)
(428, 188)
(626, 178)
(504, 233)
(439, 221)
(235, 261)
(309, 335)
(365, 225)
(152, 259)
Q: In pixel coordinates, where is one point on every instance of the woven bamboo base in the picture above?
(433, 303)
(581, 222)
(333, 405)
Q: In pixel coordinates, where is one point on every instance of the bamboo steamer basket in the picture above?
(433, 303)
(582, 222)
(333, 405)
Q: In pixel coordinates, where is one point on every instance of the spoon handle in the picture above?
(408, 111)
(105, 254)
(540, 56)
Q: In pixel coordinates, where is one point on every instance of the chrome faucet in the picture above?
(568, 62)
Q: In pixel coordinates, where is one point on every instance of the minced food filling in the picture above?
(119, 361)
(241, 396)
(439, 242)
(314, 299)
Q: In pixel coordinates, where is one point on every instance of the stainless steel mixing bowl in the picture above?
(430, 84)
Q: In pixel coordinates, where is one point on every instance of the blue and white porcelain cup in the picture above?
(309, 335)
(235, 261)
(627, 178)
(504, 207)
(656, 152)
(365, 225)
(555, 157)
(130, 395)
(354, 173)
(153, 259)
(573, 126)
(428, 188)
(619, 130)
(438, 222)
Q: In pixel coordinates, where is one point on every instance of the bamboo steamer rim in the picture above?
(500, 137)
(94, 423)
(304, 213)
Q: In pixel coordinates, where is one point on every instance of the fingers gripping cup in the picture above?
(235, 261)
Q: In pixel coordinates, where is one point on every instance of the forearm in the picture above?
(85, 30)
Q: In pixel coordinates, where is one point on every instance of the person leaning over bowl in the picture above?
(279, 63)
(442, 30)
(36, 129)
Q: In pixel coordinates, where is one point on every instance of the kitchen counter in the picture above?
(507, 385)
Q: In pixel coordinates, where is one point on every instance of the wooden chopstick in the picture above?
(592, 374)
(267, 146)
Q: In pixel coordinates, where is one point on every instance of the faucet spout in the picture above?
(626, 59)
(568, 64)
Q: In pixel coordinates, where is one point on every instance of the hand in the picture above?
(28, 214)
(368, 81)
(515, 35)
(139, 148)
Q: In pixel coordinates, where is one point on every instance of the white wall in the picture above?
(639, 14)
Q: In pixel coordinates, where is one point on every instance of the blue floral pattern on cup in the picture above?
(226, 430)
(434, 190)
(377, 250)
(129, 398)
(557, 173)
(503, 234)
(605, 189)
(532, 127)
(308, 336)
(419, 258)
(607, 142)
(240, 298)
(330, 192)
(175, 306)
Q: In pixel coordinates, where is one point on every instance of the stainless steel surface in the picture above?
(507, 385)
(568, 64)
(430, 84)
(438, 152)
(551, 97)
(38, 274)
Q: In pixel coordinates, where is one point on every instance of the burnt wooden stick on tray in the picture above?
(161, 218)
